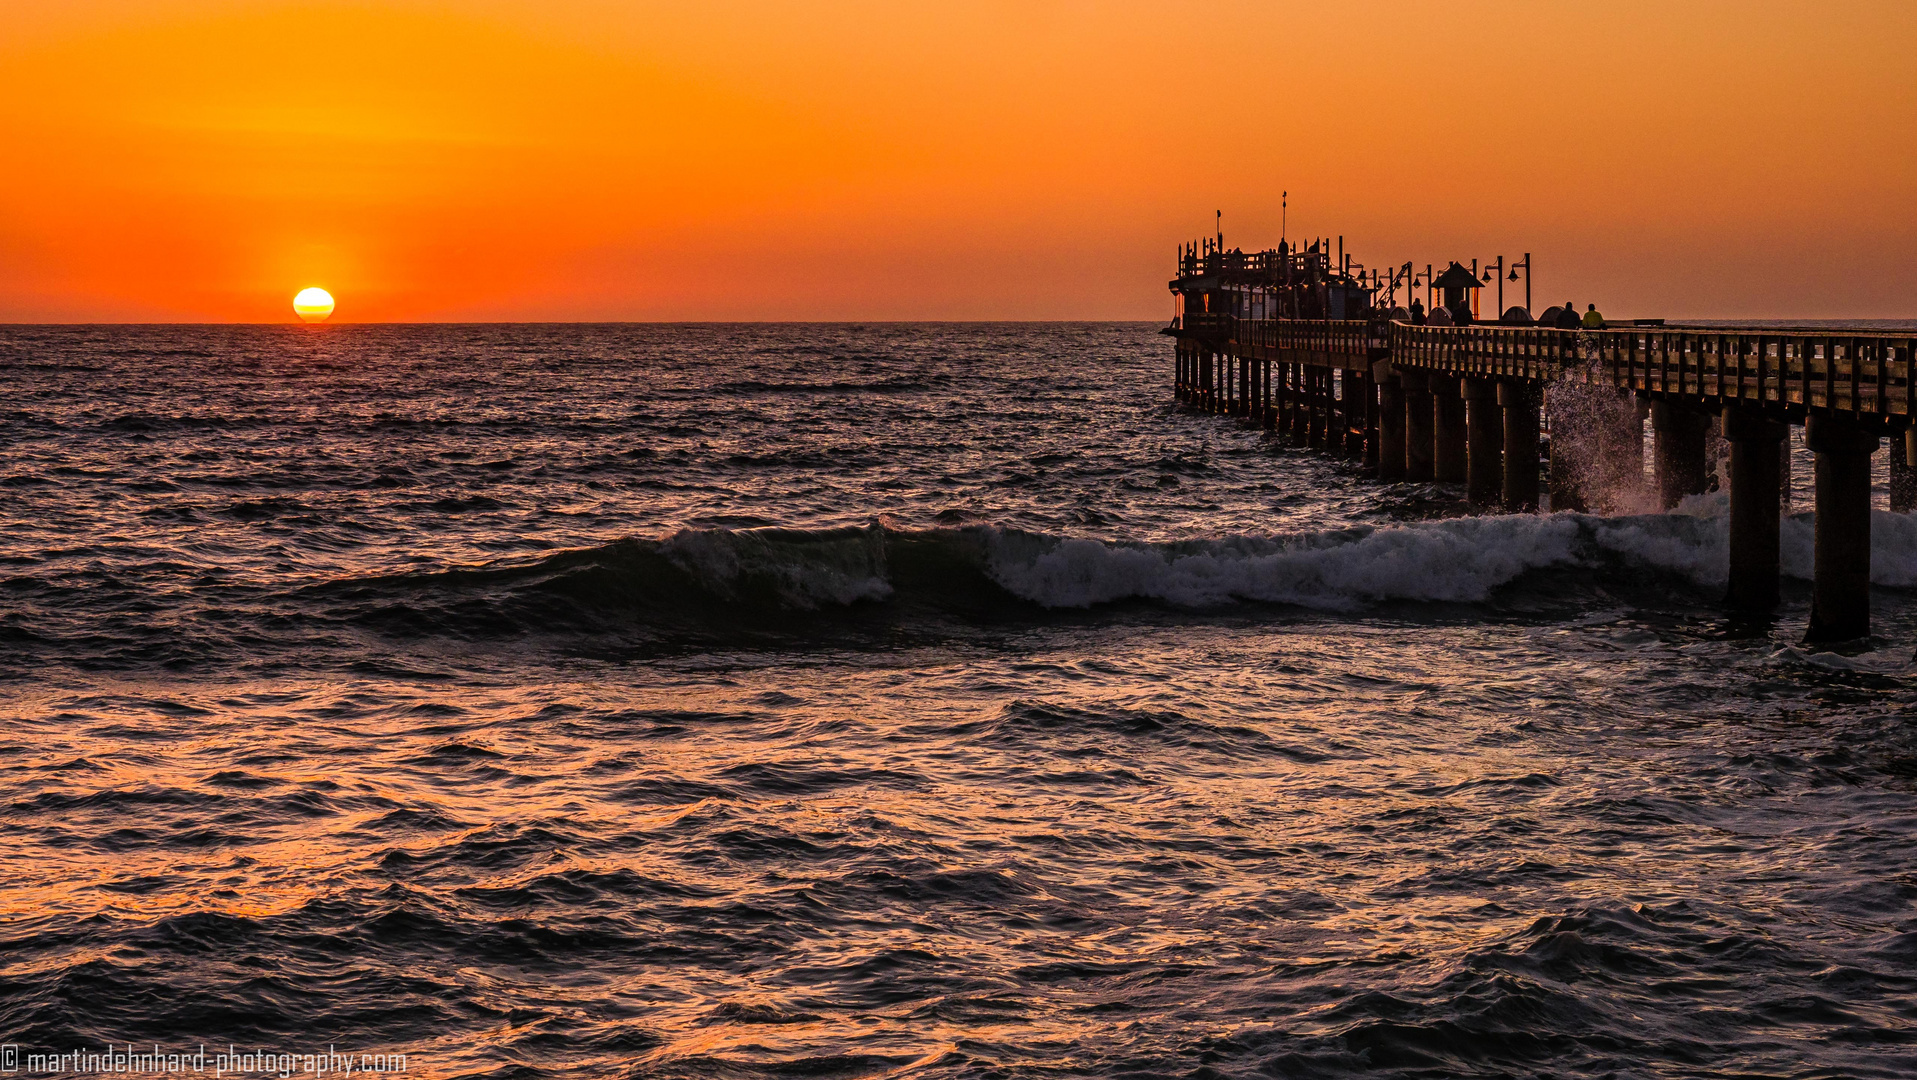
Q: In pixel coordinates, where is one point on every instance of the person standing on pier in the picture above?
(1417, 312)
(1568, 317)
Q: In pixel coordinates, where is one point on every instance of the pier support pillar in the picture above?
(1351, 412)
(1619, 469)
(1574, 445)
(1784, 474)
(1300, 405)
(1447, 430)
(1755, 510)
(1255, 401)
(1335, 409)
(1840, 584)
(1369, 421)
(1390, 426)
(1483, 443)
(1269, 416)
(1903, 478)
(1242, 384)
(1680, 438)
(1417, 425)
(1320, 405)
(1281, 398)
(1344, 397)
(1330, 440)
(1522, 409)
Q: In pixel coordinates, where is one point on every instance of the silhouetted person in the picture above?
(1417, 312)
(1593, 320)
(1461, 313)
(1568, 317)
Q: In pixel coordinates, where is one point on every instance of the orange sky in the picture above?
(779, 159)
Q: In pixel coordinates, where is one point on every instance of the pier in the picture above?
(1522, 415)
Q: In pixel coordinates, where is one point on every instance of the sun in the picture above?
(313, 305)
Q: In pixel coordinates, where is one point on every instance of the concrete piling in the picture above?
(1447, 430)
(1755, 510)
(1522, 407)
(1370, 420)
(1301, 414)
(1680, 437)
(1321, 406)
(1353, 402)
(1417, 425)
(1840, 585)
(1484, 442)
(1390, 425)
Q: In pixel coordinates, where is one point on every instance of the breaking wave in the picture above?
(779, 578)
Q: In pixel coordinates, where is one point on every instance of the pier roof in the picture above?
(1456, 276)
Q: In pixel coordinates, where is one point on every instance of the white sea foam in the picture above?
(1459, 560)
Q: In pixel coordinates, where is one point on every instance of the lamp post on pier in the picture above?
(1496, 271)
(1525, 265)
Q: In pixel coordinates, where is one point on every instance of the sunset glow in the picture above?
(577, 159)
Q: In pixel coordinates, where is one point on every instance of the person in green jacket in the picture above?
(1592, 320)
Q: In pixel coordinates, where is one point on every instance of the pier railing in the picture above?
(1864, 374)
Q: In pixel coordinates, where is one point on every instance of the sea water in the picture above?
(886, 700)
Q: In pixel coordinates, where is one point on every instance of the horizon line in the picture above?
(320, 327)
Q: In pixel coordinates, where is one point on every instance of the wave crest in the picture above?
(771, 579)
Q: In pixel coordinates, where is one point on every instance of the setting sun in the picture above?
(313, 305)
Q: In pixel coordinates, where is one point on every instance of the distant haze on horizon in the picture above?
(203, 160)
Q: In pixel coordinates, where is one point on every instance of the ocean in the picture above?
(893, 700)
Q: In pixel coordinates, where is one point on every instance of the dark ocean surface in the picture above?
(862, 701)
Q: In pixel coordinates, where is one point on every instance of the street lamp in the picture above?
(1496, 270)
(1525, 265)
